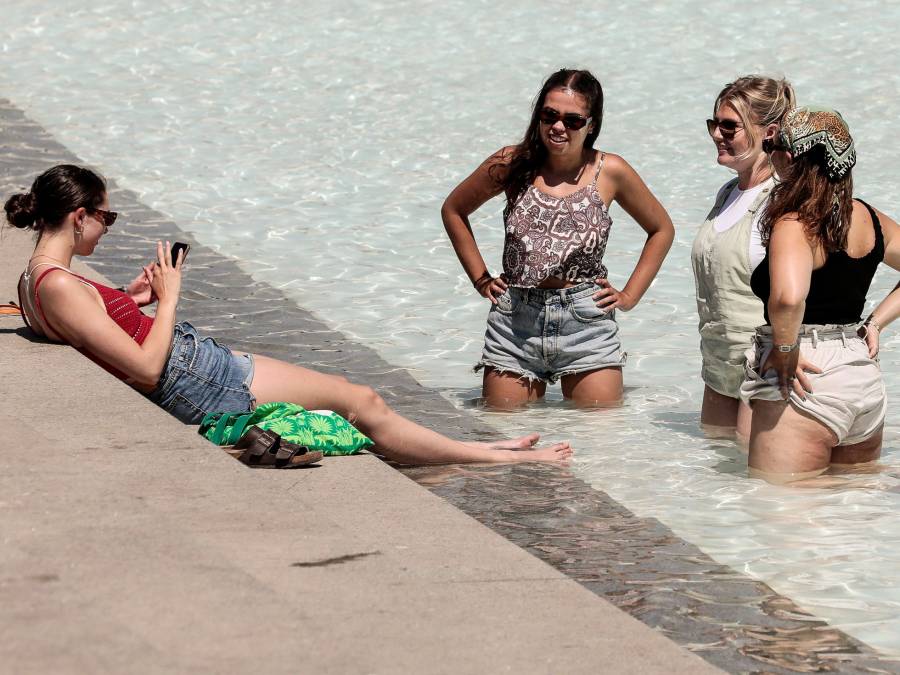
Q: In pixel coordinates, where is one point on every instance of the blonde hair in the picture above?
(759, 101)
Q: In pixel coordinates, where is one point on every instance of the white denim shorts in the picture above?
(848, 396)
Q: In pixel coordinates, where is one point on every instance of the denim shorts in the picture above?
(546, 333)
(201, 376)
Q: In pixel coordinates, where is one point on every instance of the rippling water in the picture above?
(316, 144)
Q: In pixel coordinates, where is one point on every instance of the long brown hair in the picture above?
(822, 204)
(518, 171)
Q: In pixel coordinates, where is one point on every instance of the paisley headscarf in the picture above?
(806, 128)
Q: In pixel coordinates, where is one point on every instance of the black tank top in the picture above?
(837, 290)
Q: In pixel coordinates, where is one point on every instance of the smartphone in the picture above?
(180, 246)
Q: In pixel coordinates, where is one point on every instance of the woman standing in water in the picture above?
(728, 246)
(552, 311)
(813, 379)
(171, 363)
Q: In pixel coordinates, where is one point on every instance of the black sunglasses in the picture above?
(108, 217)
(728, 128)
(571, 121)
(770, 145)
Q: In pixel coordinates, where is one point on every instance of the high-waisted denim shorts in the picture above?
(201, 376)
(546, 333)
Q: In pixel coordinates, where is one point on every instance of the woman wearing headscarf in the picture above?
(812, 376)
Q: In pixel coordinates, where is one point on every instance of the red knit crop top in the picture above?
(119, 307)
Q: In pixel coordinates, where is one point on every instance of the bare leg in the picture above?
(718, 410)
(786, 445)
(744, 423)
(507, 391)
(594, 389)
(520, 443)
(396, 437)
(859, 453)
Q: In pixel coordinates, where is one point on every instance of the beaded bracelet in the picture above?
(482, 280)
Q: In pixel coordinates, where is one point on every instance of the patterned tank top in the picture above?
(561, 237)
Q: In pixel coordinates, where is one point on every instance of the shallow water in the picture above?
(317, 143)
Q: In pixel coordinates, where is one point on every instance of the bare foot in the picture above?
(520, 443)
(558, 452)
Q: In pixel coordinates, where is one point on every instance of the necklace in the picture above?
(44, 255)
(29, 268)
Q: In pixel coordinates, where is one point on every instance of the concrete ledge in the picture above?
(130, 543)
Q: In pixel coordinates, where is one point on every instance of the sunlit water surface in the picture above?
(315, 141)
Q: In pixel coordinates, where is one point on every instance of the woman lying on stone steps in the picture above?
(179, 370)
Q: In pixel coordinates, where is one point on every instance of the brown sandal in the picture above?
(267, 449)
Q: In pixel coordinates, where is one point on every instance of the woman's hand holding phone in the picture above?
(166, 277)
(140, 289)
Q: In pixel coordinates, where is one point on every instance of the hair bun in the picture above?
(21, 210)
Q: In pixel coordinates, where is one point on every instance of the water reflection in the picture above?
(346, 219)
(735, 622)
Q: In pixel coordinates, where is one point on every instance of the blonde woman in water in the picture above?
(728, 247)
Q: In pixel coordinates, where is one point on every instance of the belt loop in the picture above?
(815, 339)
(843, 338)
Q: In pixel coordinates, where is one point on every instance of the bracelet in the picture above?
(480, 281)
(786, 349)
(870, 321)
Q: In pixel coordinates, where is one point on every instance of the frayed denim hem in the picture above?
(555, 377)
(505, 370)
(590, 369)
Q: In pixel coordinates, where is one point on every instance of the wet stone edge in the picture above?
(732, 621)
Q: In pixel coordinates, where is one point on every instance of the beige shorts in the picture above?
(848, 396)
